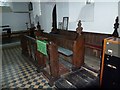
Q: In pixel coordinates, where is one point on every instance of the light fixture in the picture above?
(89, 1)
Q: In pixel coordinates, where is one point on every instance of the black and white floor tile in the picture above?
(19, 72)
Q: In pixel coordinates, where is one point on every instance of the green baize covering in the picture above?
(42, 46)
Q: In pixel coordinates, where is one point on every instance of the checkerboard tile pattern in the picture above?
(19, 72)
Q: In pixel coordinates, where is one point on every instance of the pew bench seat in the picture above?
(65, 51)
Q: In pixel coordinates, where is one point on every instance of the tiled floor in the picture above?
(18, 72)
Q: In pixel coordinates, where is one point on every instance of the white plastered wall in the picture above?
(119, 16)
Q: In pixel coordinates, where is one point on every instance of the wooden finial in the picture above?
(38, 26)
(116, 26)
(79, 28)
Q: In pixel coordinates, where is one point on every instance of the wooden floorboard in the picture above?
(78, 79)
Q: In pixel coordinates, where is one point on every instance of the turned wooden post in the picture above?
(79, 28)
(78, 52)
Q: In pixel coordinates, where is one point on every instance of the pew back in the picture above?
(76, 45)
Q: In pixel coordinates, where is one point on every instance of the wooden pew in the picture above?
(71, 41)
(76, 46)
(41, 61)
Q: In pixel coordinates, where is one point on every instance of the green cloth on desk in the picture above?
(42, 46)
